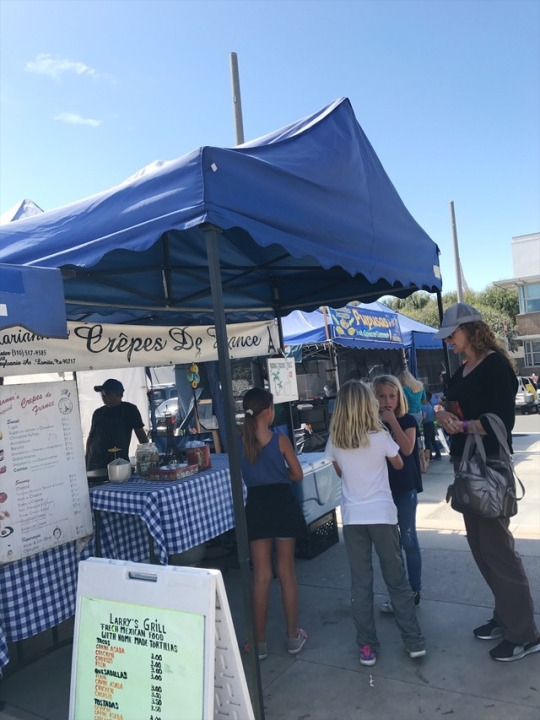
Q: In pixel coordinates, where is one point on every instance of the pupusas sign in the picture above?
(357, 323)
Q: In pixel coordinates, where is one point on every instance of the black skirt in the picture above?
(272, 511)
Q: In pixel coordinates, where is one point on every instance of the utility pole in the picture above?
(457, 261)
(237, 101)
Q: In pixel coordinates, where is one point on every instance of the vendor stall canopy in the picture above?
(306, 216)
(313, 328)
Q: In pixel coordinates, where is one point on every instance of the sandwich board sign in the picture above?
(154, 642)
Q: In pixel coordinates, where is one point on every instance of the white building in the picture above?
(526, 267)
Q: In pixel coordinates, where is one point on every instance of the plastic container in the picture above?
(146, 458)
(119, 470)
(197, 453)
(318, 537)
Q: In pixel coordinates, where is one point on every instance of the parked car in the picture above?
(527, 400)
(167, 416)
(159, 393)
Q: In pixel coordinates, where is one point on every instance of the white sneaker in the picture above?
(387, 607)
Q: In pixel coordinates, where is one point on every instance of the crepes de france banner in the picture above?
(92, 346)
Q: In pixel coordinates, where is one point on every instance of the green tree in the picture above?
(498, 306)
(506, 301)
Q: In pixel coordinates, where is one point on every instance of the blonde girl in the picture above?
(273, 516)
(405, 483)
(414, 392)
(359, 448)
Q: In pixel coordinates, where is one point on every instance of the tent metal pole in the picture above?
(444, 346)
(277, 312)
(332, 352)
(242, 542)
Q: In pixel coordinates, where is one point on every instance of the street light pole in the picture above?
(237, 101)
(457, 261)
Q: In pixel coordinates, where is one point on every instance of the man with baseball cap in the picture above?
(111, 428)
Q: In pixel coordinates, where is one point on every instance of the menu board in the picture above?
(154, 642)
(148, 662)
(44, 499)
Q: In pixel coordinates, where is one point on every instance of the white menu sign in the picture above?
(282, 379)
(44, 499)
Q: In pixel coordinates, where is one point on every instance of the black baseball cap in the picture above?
(110, 386)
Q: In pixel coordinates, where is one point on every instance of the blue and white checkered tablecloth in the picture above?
(178, 514)
(36, 594)
(4, 652)
(39, 592)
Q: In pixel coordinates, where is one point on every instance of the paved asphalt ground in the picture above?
(457, 679)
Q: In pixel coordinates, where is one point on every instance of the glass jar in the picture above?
(146, 458)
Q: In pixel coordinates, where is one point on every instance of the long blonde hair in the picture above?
(393, 382)
(254, 402)
(355, 415)
(408, 379)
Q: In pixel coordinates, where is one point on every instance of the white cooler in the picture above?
(320, 491)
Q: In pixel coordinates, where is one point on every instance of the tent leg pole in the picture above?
(444, 345)
(212, 249)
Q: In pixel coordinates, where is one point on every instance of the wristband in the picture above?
(465, 426)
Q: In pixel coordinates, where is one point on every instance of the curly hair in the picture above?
(482, 339)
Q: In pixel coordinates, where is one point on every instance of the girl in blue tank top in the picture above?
(273, 516)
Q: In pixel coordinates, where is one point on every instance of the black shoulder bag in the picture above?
(486, 486)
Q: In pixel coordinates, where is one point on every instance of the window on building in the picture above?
(532, 353)
(529, 298)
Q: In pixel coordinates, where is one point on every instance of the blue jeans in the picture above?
(406, 503)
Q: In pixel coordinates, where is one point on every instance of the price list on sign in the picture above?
(154, 642)
(44, 500)
(147, 664)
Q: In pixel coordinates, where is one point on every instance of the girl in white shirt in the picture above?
(358, 447)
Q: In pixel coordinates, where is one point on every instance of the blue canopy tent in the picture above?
(33, 298)
(23, 290)
(417, 336)
(303, 217)
(319, 326)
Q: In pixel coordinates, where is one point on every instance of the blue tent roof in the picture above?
(412, 331)
(303, 328)
(306, 215)
(33, 297)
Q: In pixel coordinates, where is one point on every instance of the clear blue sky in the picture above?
(448, 93)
